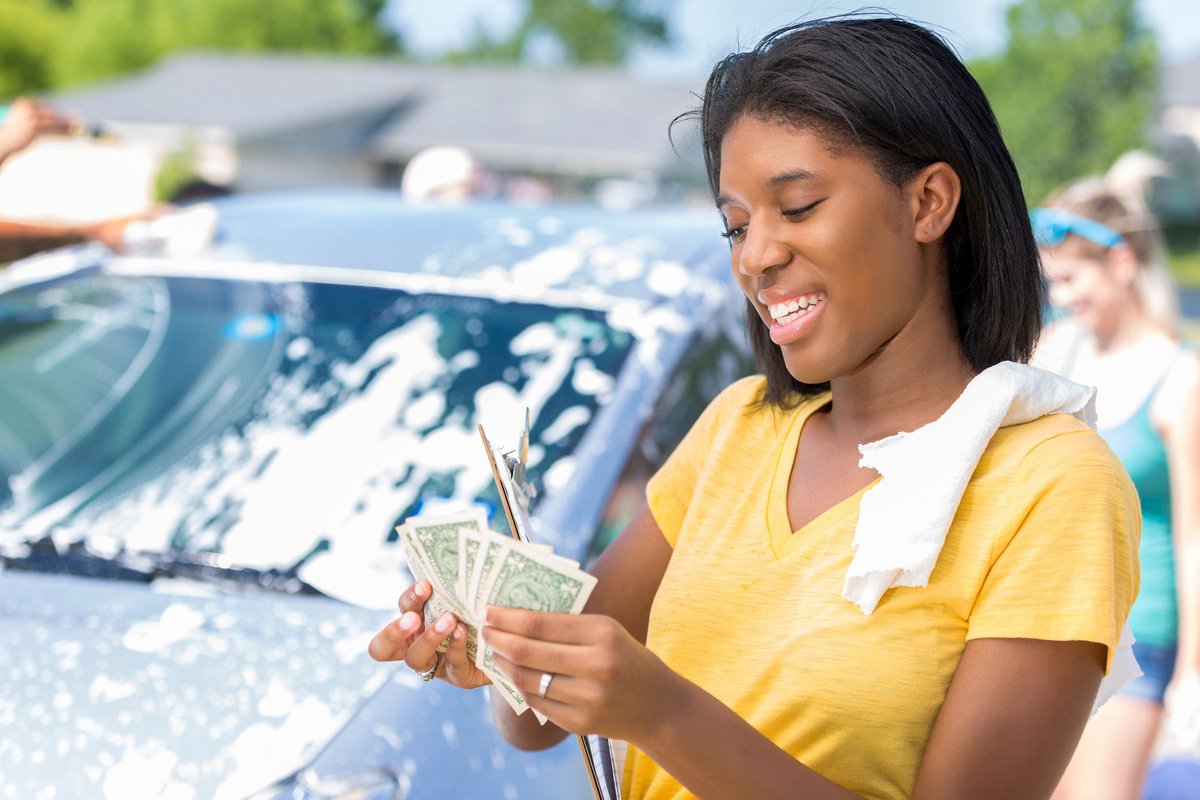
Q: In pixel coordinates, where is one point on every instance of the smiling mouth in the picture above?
(791, 310)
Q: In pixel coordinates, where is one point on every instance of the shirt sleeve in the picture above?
(670, 490)
(1065, 563)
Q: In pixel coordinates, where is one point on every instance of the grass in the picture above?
(1185, 266)
(1191, 332)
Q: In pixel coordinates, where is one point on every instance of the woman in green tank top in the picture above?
(1102, 253)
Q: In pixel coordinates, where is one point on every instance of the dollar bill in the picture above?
(438, 603)
(470, 567)
(525, 578)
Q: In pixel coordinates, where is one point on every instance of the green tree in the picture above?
(28, 30)
(1074, 88)
(587, 31)
(102, 38)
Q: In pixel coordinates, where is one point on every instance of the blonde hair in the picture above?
(1120, 204)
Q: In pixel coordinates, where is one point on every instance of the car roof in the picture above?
(649, 254)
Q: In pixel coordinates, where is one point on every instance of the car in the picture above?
(203, 458)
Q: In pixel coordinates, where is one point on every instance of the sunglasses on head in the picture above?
(1051, 226)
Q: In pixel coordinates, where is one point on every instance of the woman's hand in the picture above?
(1183, 710)
(28, 119)
(406, 639)
(603, 681)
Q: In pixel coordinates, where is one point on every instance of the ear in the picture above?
(935, 192)
(1122, 263)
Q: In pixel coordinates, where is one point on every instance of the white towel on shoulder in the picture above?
(903, 519)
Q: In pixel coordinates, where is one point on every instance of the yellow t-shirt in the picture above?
(1044, 546)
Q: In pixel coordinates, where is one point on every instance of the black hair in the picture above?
(897, 92)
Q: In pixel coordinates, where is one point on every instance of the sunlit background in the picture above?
(563, 99)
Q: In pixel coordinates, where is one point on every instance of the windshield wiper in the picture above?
(42, 555)
(214, 568)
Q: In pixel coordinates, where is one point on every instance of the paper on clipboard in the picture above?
(510, 495)
(597, 751)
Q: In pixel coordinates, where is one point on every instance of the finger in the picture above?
(459, 667)
(391, 643)
(55, 124)
(544, 625)
(420, 653)
(534, 654)
(413, 598)
(562, 689)
(456, 656)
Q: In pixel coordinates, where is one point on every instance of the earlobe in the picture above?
(936, 192)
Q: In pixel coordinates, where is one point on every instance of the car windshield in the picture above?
(267, 421)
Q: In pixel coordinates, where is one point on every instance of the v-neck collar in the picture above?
(784, 539)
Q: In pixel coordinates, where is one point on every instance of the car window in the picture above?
(713, 361)
(66, 350)
(263, 421)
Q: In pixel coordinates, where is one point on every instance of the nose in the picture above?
(760, 251)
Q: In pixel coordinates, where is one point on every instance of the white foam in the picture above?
(145, 771)
(265, 752)
(104, 689)
(566, 422)
(588, 380)
(176, 623)
(667, 278)
(549, 267)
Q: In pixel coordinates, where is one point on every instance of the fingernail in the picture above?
(421, 589)
(460, 632)
(408, 621)
(444, 622)
(485, 614)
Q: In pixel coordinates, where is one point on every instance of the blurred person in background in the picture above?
(1102, 253)
(25, 121)
(445, 174)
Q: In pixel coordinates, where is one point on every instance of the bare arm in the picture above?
(21, 239)
(1181, 432)
(28, 119)
(1011, 719)
(628, 574)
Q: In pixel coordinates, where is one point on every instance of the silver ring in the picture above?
(430, 673)
(544, 683)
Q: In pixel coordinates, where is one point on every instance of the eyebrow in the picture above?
(791, 176)
(779, 179)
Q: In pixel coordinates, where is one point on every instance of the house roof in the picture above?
(590, 122)
(254, 96)
(1181, 83)
(593, 121)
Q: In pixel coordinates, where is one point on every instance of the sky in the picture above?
(707, 30)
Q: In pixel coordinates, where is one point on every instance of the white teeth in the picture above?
(793, 309)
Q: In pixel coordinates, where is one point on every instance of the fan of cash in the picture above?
(471, 567)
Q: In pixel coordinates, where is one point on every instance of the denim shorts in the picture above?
(1158, 665)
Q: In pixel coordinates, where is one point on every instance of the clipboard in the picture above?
(596, 750)
(514, 509)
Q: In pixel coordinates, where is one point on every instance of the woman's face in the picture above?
(823, 247)
(1084, 284)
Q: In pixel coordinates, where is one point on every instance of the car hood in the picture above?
(189, 688)
(114, 691)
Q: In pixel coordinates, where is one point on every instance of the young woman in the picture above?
(878, 230)
(1103, 256)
